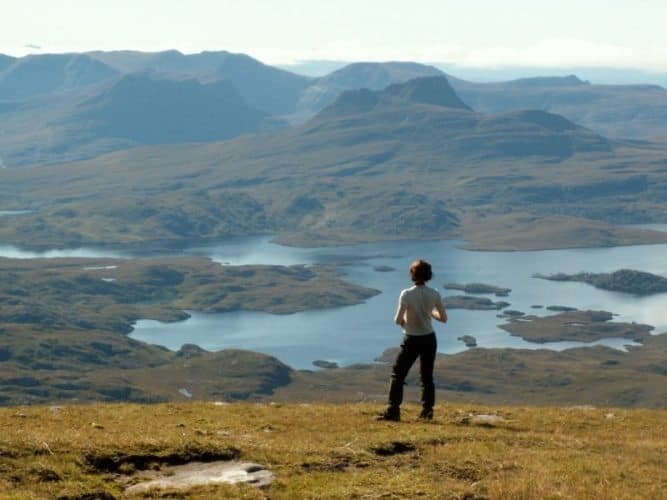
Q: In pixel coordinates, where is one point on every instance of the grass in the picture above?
(338, 451)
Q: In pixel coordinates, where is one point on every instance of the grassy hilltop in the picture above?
(337, 451)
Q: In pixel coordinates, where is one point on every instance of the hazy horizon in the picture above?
(480, 34)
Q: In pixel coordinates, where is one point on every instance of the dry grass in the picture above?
(338, 451)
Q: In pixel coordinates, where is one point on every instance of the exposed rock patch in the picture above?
(183, 477)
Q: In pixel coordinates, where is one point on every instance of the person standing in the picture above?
(416, 307)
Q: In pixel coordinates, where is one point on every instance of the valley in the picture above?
(396, 155)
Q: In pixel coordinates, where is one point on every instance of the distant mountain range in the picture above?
(409, 161)
(620, 111)
(323, 91)
(37, 75)
(52, 106)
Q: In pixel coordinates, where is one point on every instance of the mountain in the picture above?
(42, 74)
(264, 87)
(5, 61)
(373, 76)
(410, 161)
(427, 108)
(149, 110)
(618, 111)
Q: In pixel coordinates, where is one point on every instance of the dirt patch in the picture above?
(393, 448)
(337, 464)
(123, 463)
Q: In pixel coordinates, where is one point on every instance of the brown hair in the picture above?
(420, 271)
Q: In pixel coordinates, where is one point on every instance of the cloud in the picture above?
(566, 52)
(556, 53)
(548, 53)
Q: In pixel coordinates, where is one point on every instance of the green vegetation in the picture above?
(472, 303)
(479, 288)
(587, 375)
(338, 451)
(620, 111)
(583, 326)
(625, 281)
(468, 340)
(507, 182)
(64, 325)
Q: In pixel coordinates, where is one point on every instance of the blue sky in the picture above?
(468, 33)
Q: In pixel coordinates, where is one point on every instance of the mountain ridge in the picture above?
(151, 110)
(36, 75)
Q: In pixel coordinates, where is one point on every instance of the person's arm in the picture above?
(399, 319)
(439, 312)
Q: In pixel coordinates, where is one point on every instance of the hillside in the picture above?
(617, 111)
(64, 325)
(34, 75)
(40, 94)
(150, 110)
(364, 169)
(372, 76)
(65, 107)
(334, 451)
(269, 89)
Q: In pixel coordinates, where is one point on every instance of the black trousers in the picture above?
(423, 347)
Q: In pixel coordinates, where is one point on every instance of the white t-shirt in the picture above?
(419, 301)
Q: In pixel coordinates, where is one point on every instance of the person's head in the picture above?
(420, 272)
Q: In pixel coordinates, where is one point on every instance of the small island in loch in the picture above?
(468, 340)
(582, 326)
(625, 281)
(473, 303)
(479, 288)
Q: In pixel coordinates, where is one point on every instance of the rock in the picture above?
(183, 477)
(482, 419)
(185, 392)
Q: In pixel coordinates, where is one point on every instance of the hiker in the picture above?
(416, 306)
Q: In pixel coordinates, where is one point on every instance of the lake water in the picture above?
(362, 332)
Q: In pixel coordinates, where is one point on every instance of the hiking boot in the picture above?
(390, 414)
(426, 414)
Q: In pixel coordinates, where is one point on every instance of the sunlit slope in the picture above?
(338, 451)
